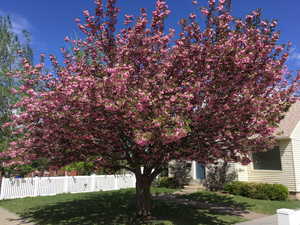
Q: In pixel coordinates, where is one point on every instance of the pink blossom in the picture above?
(13, 91)
(204, 11)
(86, 13)
(6, 125)
(39, 66)
(192, 16)
(249, 17)
(67, 39)
(279, 48)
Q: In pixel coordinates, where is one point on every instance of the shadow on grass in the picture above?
(218, 203)
(118, 208)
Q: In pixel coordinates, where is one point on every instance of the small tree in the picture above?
(11, 52)
(218, 175)
(181, 172)
(141, 97)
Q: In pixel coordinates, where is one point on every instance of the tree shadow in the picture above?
(218, 203)
(118, 208)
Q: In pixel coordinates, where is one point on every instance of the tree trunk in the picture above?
(143, 195)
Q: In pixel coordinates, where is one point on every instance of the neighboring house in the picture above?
(280, 165)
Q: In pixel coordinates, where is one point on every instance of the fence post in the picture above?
(66, 184)
(93, 182)
(2, 188)
(116, 183)
(133, 179)
(35, 181)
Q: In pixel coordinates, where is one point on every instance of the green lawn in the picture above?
(118, 208)
(254, 205)
(265, 206)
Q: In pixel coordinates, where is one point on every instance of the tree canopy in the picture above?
(142, 96)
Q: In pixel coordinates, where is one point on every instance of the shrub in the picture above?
(181, 172)
(278, 192)
(167, 182)
(258, 190)
(234, 187)
(218, 175)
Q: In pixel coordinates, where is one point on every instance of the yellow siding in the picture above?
(287, 162)
(267, 176)
(286, 176)
(241, 171)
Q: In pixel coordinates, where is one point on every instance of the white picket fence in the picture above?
(44, 186)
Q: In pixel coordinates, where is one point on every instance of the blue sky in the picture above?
(49, 21)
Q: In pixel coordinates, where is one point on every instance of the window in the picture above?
(269, 160)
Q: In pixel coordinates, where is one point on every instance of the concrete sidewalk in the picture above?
(9, 218)
(268, 220)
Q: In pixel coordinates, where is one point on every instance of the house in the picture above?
(280, 165)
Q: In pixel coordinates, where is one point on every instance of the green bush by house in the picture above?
(258, 190)
(167, 182)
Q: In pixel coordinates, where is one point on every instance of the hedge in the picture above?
(258, 190)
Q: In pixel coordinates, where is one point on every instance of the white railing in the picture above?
(43, 186)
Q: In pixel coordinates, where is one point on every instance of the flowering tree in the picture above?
(142, 96)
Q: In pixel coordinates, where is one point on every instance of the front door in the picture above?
(200, 171)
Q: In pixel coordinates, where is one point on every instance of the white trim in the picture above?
(194, 164)
(296, 132)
